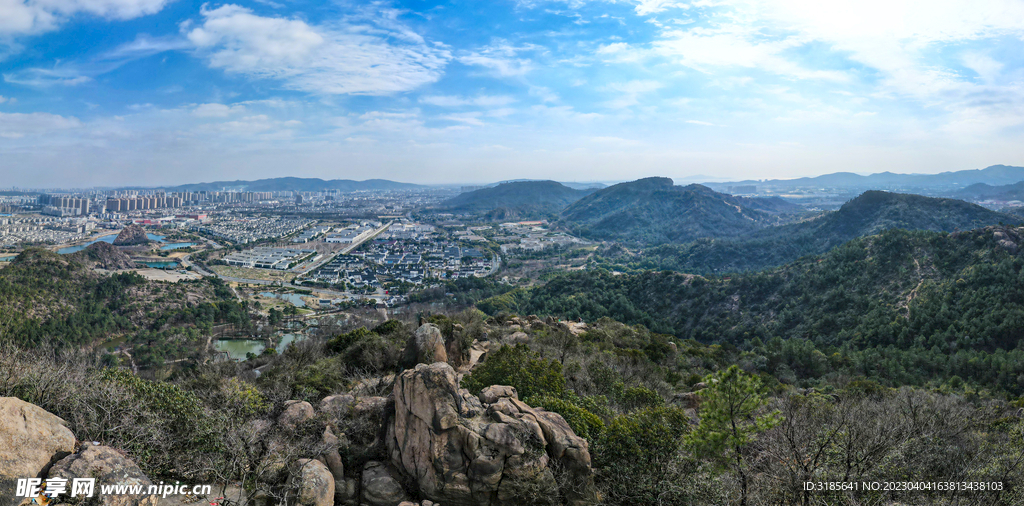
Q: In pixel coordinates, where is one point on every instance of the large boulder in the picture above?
(295, 412)
(31, 438)
(109, 467)
(311, 483)
(381, 486)
(459, 450)
(426, 346)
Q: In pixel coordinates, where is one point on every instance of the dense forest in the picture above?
(870, 213)
(902, 307)
(57, 299)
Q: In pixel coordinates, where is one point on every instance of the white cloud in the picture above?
(630, 92)
(699, 122)
(455, 101)
(469, 118)
(24, 17)
(217, 110)
(18, 125)
(645, 7)
(38, 77)
(339, 60)
(502, 59)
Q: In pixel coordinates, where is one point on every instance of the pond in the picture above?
(160, 264)
(110, 238)
(238, 348)
(177, 245)
(8, 259)
(294, 298)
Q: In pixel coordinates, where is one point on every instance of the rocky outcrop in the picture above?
(131, 235)
(426, 346)
(106, 256)
(109, 468)
(31, 438)
(311, 483)
(460, 451)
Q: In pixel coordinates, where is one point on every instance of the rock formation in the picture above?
(311, 483)
(109, 468)
(459, 451)
(295, 412)
(106, 256)
(381, 486)
(426, 346)
(31, 439)
(131, 235)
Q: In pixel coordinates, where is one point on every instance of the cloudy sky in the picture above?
(103, 92)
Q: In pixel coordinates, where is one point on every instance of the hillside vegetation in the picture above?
(902, 307)
(58, 300)
(654, 211)
(516, 200)
(870, 213)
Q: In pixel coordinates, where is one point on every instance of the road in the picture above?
(187, 262)
(347, 249)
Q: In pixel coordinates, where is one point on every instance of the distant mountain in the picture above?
(994, 175)
(982, 191)
(297, 184)
(654, 211)
(871, 213)
(516, 200)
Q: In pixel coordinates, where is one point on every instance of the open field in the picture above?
(245, 273)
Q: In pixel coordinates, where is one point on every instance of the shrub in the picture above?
(521, 368)
(634, 454)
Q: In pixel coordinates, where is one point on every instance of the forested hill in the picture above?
(901, 305)
(654, 211)
(870, 213)
(51, 298)
(519, 200)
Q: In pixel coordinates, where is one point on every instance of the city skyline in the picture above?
(155, 92)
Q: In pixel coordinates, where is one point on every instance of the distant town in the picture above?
(334, 247)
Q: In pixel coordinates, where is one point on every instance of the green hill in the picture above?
(870, 213)
(903, 306)
(654, 211)
(516, 200)
(46, 298)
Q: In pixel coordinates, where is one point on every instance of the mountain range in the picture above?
(993, 175)
(871, 213)
(654, 211)
(982, 191)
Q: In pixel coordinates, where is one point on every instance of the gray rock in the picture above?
(426, 346)
(295, 412)
(381, 486)
(109, 467)
(491, 394)
(499, 455)
(31, 438)
(311, 483)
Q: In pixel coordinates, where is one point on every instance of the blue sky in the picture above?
(106, 92)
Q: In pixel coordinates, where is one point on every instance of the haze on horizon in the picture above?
(163, 92)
